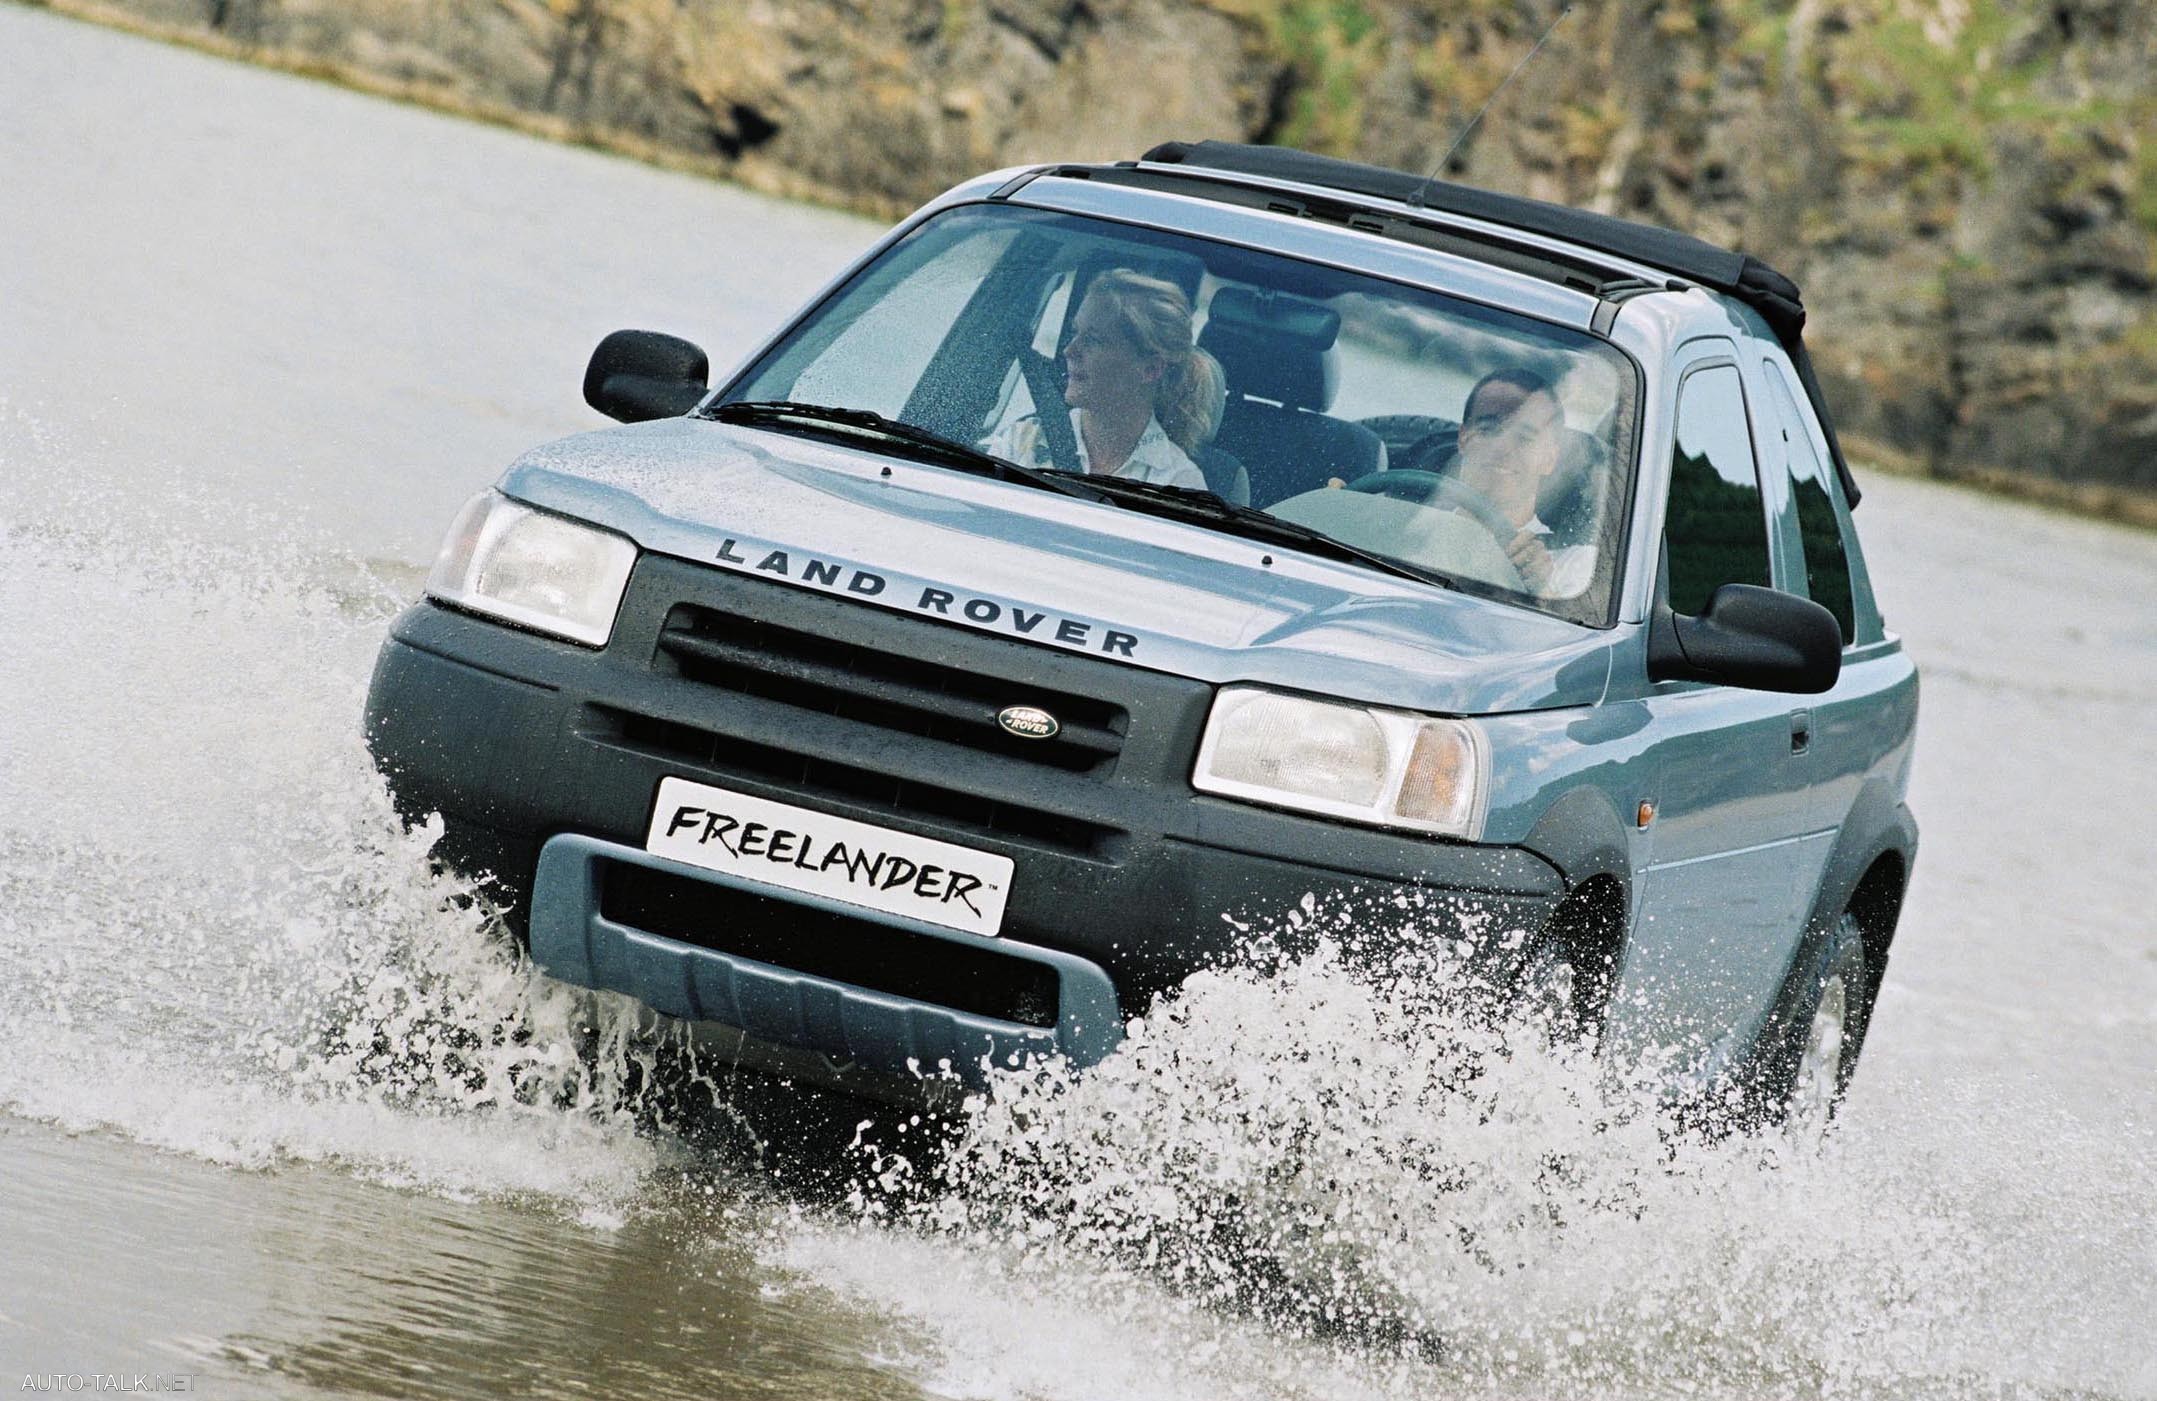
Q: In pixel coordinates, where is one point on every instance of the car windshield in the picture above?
(1467, 442)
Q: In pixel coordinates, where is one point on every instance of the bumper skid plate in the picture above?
(575, 941)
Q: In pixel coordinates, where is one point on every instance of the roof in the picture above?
(1737, 275)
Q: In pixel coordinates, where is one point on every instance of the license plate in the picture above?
(814, 853)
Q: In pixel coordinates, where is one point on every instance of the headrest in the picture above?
(1272, 345)
(1170, 265)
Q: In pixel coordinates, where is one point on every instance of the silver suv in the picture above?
(1120, 555)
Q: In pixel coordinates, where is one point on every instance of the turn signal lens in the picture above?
(1440, 785)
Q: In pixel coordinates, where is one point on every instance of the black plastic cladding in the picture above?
(513, 737)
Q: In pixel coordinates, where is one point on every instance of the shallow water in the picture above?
(276, 1112)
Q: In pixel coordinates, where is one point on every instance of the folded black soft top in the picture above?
(1737, 275)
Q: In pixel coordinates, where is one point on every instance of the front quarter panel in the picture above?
(1541, 758)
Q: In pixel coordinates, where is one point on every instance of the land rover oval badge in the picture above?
(1028, 721)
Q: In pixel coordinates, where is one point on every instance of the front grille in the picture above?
(880, 958)
(907, 694)
(885, 716)
(848, 786)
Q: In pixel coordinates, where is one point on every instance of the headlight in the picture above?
(537, 570)
(1384, 767)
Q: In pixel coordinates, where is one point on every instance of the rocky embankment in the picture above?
(1966, 189)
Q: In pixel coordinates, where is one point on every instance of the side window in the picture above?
(1716, 528)
(1052, 316)
(1015, 397)
(1827, 568)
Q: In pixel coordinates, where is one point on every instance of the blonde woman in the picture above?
(1141, 395)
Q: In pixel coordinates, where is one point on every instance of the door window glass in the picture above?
(1827, 568)
(1715, 529)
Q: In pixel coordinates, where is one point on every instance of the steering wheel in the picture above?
(1439, 489)
(1450, 493)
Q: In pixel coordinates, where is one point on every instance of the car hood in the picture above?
(1064, 572)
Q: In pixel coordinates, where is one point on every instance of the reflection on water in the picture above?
(304, 1281)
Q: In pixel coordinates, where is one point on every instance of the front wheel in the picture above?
(1563, 982)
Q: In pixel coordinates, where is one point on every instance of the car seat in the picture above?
(1225, 474)
(1274, 349)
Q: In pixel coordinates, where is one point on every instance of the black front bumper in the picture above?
(516, 738)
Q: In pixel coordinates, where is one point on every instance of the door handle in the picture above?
(1800, 731)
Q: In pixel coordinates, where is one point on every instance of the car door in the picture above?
(1732, 835)
(1853, 726)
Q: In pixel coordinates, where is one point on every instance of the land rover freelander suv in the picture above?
(1120, 556)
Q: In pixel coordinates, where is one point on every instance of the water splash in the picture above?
(1316, 1184)
(223, 940)
(1428, 1200)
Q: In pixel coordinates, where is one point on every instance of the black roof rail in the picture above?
(1637, 243)
(1581, 271)
(1738, 275)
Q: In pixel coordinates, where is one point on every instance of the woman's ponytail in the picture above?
(1190, 399)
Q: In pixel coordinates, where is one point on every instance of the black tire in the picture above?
(1804, 1072)
(1547, 993)
(1563, 979)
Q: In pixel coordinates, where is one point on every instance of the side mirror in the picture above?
(637, 375)
(1760, 639)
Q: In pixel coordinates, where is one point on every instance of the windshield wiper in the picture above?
(865, 422)
(1182, 502)
(1191, 503)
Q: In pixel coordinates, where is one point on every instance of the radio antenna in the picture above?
(1415, 201)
